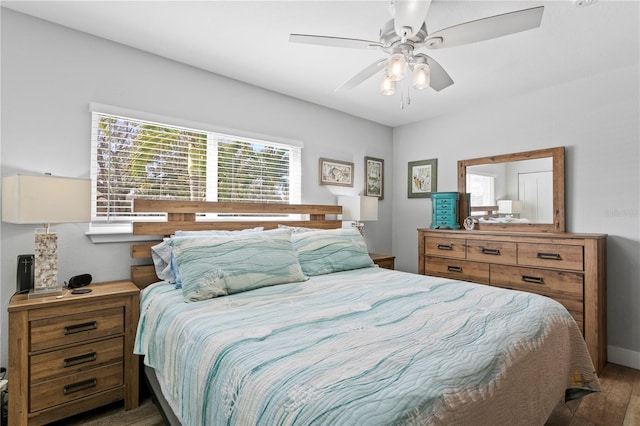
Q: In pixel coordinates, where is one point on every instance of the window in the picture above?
(134, 158)
(482, 189)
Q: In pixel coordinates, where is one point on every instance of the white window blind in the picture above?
(134, 158)
(482, 189)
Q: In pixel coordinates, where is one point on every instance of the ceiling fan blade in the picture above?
(409, 15)
(353, 43)
(439, 77)
(364, 75)
(486, 29)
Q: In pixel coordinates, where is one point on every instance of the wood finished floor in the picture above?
(617, 405)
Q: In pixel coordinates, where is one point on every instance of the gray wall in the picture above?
(597, 120)
(50, 74)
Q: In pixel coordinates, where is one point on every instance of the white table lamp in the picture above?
(360, 209)
(509, 207)
(45, 199)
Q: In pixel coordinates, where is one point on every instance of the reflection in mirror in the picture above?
(522, 191)
(512, 192)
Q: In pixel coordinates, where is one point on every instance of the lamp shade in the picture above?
(509, 206)
(359, 208)
(45, 199)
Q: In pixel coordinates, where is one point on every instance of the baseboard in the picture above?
(622, 356)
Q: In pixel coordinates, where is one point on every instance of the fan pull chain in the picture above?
(402, 98)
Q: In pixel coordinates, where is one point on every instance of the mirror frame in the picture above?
(557, 154)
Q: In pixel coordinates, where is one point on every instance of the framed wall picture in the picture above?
(423, 178)
(335, 172)
(374, 177)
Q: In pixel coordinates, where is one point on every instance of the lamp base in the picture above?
(359, 226)
(46, 260)
(45, 292)
(46, 265)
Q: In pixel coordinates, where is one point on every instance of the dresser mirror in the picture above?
(522, 191)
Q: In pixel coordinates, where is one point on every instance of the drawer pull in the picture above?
(79, 386)
(79, 328)
(534, 280)
(445, 246)
(454, 268)
(80, 359)
(494, 252)
(549, 256)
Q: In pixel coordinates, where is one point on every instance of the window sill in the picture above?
(117, 234)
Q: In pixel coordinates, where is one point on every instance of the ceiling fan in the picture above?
(407, 32)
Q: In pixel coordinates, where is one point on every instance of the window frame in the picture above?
(121, 228)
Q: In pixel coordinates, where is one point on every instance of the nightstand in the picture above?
(383, 260)
(71, 354)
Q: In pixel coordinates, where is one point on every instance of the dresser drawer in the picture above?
(541, 281)
(72, 360)
(492, 251)
(457, 269)
(445, 203)
(551, 256)
(53, 392)
(574, 306)
(448, 247)
(443, 216)
(67, 329)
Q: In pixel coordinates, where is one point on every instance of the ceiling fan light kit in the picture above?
(401, 36)
(421, 76)
(387, 87)
(396, 66)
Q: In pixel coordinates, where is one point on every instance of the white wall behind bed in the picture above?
(50, 74)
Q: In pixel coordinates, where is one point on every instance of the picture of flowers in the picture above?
(334, 172)
(374, 177)
(423, 178)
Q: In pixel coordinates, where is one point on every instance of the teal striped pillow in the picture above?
(226, 264)
(332, 250)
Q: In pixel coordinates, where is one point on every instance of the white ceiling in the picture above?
(248, 41)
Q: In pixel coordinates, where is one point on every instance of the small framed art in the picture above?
(374, 177)
(335, 172)
(423, 178)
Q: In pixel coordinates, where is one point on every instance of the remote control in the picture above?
(81, 291)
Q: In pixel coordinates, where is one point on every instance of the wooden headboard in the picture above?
(181, 216)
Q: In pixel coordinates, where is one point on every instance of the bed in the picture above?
(338, 341)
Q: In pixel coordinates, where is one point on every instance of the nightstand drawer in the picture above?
(457, 269)
(492, 251)
(449, 247)
(53, 392)
(386, 261)
(386, 264)
(63, 330)
(551, 256)
(542, 281)
(72, 360)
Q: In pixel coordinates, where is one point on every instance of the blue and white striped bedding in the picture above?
(363, 347)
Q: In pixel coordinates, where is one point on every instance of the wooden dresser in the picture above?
(71, 354)
(569, 268)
